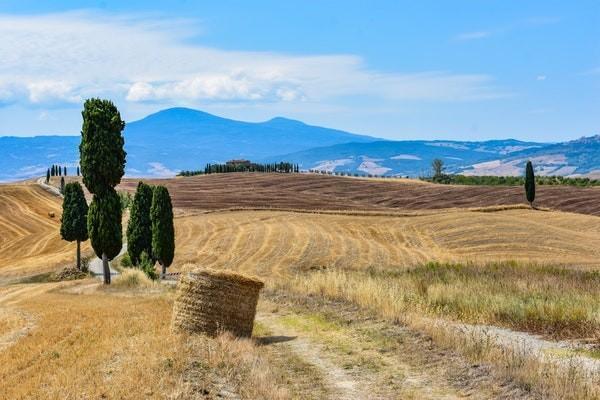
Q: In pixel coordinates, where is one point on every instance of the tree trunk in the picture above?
(78, 255)
(106, 269)
(164, 271)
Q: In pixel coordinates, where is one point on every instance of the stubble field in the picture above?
(368, 295)
(30, 240)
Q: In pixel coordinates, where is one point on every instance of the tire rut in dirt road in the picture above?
(384, 360)
(340, 384)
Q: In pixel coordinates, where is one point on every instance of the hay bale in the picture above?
(210, 302)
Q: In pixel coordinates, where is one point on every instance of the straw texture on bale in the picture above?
(210, 302)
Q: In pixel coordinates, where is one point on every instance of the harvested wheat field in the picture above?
(29, 238)
(322, 192)
(279, 243)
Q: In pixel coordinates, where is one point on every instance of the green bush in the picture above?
(126, 261)
(147, 266)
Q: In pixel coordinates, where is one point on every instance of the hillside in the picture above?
(574, 158)
(29, 237)
(412, 158)
(323, 192)
(363, 303)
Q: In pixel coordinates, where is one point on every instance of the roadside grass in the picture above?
(555, 301)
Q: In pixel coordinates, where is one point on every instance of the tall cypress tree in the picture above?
(48, 175)
(78, 170)
(102, 166)
(62, 185)
(74, 218)
(139, 230)
(65, 171)
(104, 227)
(529, 183)
(163, 232)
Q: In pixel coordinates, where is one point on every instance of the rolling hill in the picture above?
(412, 158)
(175, 139)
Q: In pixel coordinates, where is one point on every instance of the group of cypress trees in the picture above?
(150, 228)
(56, 170)
(284, 167)
(102, 159)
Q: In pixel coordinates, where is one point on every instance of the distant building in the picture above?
(236, 163)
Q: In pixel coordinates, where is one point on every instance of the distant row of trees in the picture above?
(439, 176)
(528, 181)
(347, 173)
(281, 167)
(57, 170)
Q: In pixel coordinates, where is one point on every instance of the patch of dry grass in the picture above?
(101, 344)
(555, 301)
(131, 278)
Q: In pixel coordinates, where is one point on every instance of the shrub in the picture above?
(126, 261)
(147, 266)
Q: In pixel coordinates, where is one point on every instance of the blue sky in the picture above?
(395, 69)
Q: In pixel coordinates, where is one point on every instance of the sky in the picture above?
(462, 69)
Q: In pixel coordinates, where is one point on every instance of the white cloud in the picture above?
(540, 78)
(473, 35)
(64, 58)
(158, 169)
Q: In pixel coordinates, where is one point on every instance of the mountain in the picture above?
(22, 158)
(171, 140)
(579, 157)
(411, 158)
(183, 139)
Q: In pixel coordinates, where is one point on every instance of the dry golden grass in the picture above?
(29, 238)
(131, 278)
(270, 243)
(370, 261)
(94, 343)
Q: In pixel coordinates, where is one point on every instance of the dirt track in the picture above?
(303, 191)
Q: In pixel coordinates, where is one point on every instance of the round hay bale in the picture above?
(210, 302)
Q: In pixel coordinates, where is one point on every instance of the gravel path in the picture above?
(95, 266)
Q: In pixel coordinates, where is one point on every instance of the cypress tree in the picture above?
(163, 232)
(139, 230)
(78, 170)
(74, 218)
(65, 172)
(529, 183)
(104, 227)
(48, 175)
(62, 185)
(102, 159)
(52, 171)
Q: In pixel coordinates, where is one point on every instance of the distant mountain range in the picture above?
(183, 139)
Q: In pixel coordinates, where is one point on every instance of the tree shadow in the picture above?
(268, 340)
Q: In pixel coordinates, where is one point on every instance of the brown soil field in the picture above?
(275, 243)
(322, 192)
(29, 238)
